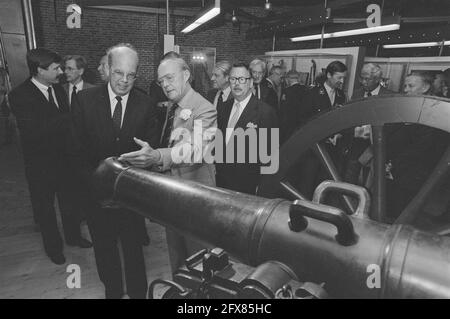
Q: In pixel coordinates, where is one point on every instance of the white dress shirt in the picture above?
(331, 92)
(113, 102)
(374, 91)
(44, 89)
(243, 104)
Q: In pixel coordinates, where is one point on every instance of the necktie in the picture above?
(233, 121)
(165, 138)
(257, 93)
(50, 97)
(220, 100)
(117, 115)
(73, 96)
(369, 94)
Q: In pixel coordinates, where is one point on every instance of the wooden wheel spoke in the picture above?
(330, 167)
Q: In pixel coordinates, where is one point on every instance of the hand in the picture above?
(145, 157)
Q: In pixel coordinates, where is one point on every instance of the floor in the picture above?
(25, 270)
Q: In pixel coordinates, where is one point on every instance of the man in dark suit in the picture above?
(275, 79)
(263, 89)
(292, 111)
(74, 68)
(43, 118)
(321, 98)
(245, 112)
(105, 121)
(221, 91)
(370, 79)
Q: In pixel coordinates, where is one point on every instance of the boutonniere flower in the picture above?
(283, 97)
(185, 114)
(321, 91)
(251, 125)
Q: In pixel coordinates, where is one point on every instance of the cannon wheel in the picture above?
(376, 111)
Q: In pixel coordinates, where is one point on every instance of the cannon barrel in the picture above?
(408, 263)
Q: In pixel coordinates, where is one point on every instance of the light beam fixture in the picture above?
(234, 19)
(207, 14)
(268, 5)
(415, 45)
(392, 23)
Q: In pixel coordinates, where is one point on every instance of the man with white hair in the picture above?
(221, 85)
(370, 79)
(176, 155)
(263, 89)
(106, 119)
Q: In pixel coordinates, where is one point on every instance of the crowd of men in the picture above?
(66, 131)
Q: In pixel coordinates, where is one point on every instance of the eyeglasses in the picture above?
(241, 80)
(120, 75)
(169, 78)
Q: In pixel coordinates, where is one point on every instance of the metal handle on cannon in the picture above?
(346, 235)
(347, 189)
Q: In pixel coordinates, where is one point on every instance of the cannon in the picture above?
(307, 240)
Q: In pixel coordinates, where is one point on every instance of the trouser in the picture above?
(108, 226)
(43, 190)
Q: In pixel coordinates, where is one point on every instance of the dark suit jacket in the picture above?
(86, 85)
(317, 100)
(292, 109)
(243, 177)
(359, 93)
(268, 94)
(93, 135)
(212, 95)
(44, 129)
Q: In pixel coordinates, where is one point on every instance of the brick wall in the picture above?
(104, 28)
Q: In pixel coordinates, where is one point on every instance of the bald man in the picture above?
(106, 119)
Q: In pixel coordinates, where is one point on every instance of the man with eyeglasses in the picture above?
(179, 143)
(263, 89)
(245, 111)
(106, 119)
(75, 66)
(43, 118)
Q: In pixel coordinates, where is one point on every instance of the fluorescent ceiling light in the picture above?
(381, 28)
(210, 13)
(415, 45)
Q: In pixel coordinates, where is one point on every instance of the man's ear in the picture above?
(81, 71)
(186, 75)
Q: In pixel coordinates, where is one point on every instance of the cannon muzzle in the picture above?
(353, 256)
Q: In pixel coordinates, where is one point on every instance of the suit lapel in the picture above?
(128, 119)
(224, 114)
(62, 99)
(38, 94)
(104, 112)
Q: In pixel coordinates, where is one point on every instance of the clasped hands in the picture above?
(145, 157)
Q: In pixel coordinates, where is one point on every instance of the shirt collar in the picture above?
(112, 96)
(39, 85)
(244, 102)
(375, 91)
(328, 88)
(79, 86)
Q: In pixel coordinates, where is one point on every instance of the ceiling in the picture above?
(419, 18)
